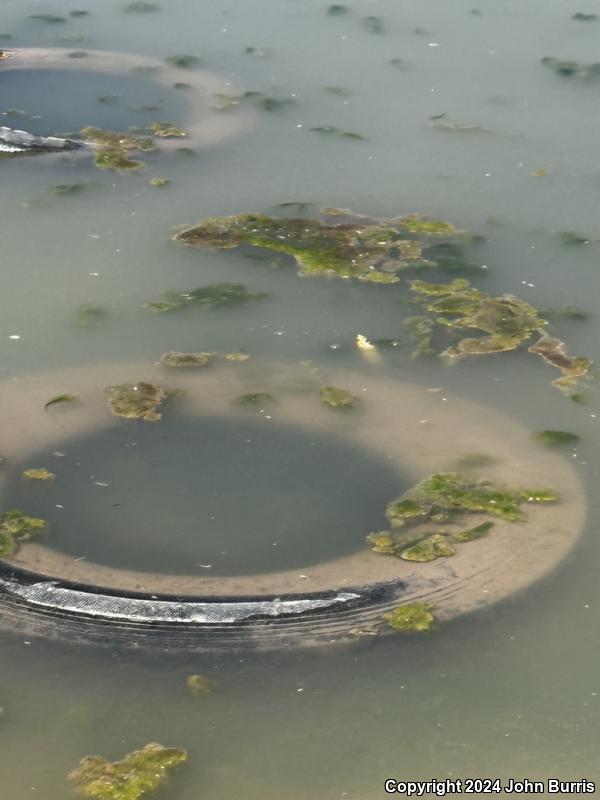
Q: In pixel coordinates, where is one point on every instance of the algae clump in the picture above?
(39, 474)
(199, 686)
(184, 360)
(254, 400)
(215, 296)
(410, 617)
(335, 397)
(136, 400)
(339, 243)
(445, 498)
(114, 148)
(556, 438)
(137, 775)
(16, 527)
(508, 322)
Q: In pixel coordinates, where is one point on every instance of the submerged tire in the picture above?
(47, 593)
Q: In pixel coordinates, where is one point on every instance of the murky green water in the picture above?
(513, 691)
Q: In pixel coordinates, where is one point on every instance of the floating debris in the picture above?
(60, 398)
(16, 527)
(166, 130)
(539, 173)
(331, 130)
(410, 617)
(236, 357)
(335, 397)
(159, 182)
(39, 474)
(136, 400)
(357, 247)
(373, 24)
(556, 438)
(199, 686)
(254, 400)
(185, 360)
(137, 775)
(214, 296)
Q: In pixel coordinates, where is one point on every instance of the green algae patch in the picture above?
(420, 331)
(429, 548)
(472, 534)
(446, 498)
(158, 182)
(89, 316)
(339, 243)
(39, 474)
(166, 130)
(410, 617)
(507, 321)
(254, 400)
(213, 297)
(60, 398)
(136, 400)
(17, 527)
(581, 16)
(334, 397)
(556, 438)
(114, 148)
(200, 686)
(173, 359)
(140, 773)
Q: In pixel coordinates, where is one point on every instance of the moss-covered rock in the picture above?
(136, 400)
(339, 243)
(140, 773)
(410, 617)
